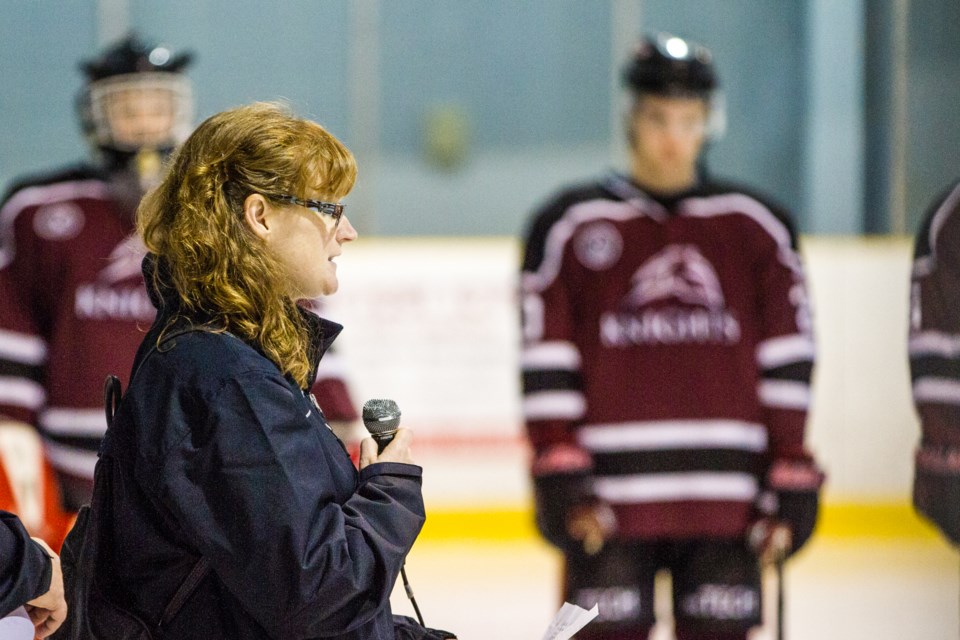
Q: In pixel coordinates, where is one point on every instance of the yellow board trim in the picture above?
(842, 520)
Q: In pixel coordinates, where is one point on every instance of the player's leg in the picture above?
(620, 580)
(716, 590)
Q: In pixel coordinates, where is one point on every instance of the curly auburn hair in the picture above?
(194, 220)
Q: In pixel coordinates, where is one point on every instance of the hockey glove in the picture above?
(787, 509)
(560, 483)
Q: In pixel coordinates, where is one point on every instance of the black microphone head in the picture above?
(381, 417)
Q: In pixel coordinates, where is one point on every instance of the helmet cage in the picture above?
(134, 111)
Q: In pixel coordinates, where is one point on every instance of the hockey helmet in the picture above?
(136, 98)
(663, 64)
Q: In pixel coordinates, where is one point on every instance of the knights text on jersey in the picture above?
(671, 341)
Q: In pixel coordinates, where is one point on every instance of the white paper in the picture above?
(16, 626)
(568, 621)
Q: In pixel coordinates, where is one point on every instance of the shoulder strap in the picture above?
(112, 395)
(186, 589)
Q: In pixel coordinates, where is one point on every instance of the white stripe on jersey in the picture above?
(673, 434)
(49, 193)
(782, 350)
(74, 422)
(937, 390)
(554, 405)
(705, 207)
(784, 394)
(19, 392)
(739, 203)
(22, 348)
(935, 343)
(553, 354)
(75, 462)
(665, 487)
(924, 265)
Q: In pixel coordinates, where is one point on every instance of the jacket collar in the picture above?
(320, 331)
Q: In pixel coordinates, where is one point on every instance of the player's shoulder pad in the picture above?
(548, 213)
(72, 173)
(777, 210)
(922, 246)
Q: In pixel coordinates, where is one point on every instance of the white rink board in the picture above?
(433, 324)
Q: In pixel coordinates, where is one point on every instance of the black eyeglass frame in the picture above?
(332, 209)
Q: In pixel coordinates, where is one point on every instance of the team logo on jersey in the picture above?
(675, 298)
(598, 245)
(678, 272)
(118, 292)
(58, 221)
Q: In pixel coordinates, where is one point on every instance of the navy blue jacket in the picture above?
(216, 453)
(25, 570)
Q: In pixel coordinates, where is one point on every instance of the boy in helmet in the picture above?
(74, 302)
(666, 368)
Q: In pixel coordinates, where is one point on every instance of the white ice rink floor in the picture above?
(839, 589)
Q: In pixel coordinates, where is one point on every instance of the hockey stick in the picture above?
(779, 567)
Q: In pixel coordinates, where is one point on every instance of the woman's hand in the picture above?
(397, 451)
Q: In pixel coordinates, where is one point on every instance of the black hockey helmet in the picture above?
(663, 64)
(134, 77)
(132, 55)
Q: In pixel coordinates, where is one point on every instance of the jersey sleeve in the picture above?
(785, 350)
(785, 358)
(934, 352)
(553, 400)
(23, 350)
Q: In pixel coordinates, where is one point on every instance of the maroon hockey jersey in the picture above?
(73, 309)
(667, 352)
(934, 349)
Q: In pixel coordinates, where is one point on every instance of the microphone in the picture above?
(382, 419)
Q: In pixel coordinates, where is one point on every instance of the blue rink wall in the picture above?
(840, 110)
(433, 324)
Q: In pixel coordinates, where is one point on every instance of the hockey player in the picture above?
(666, 372)
(74, 303)
(935, 363)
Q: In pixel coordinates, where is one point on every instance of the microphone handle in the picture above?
(383, 439)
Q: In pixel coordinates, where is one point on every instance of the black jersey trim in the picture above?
(931, 366)
(554, 380)
(677, 461)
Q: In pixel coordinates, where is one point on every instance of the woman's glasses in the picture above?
(332, 209)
